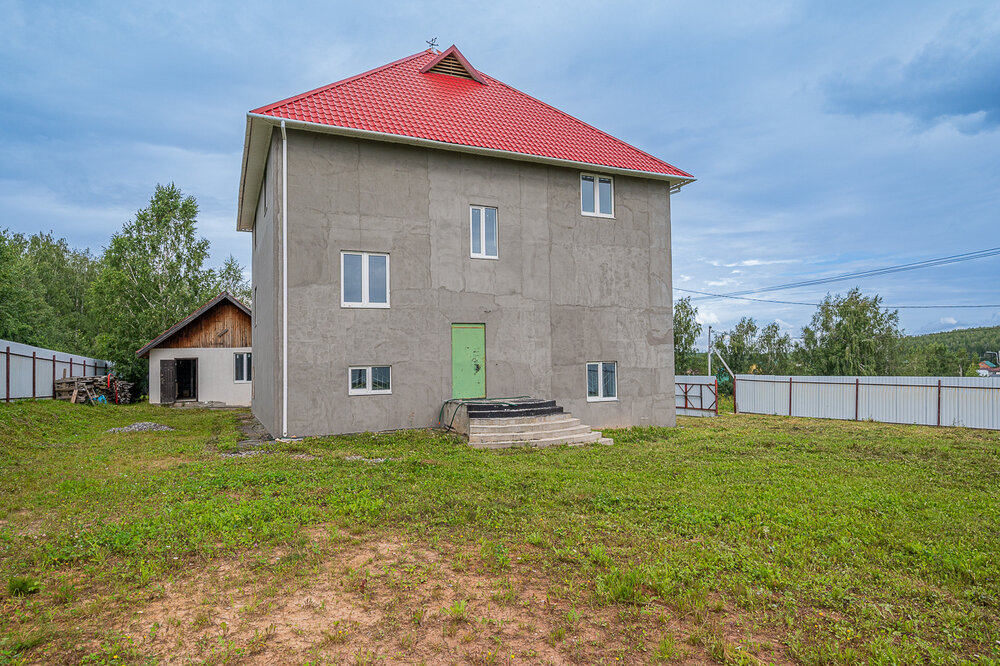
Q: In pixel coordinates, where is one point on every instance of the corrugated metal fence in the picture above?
(31, 372)
(971, 402)
(696, 395)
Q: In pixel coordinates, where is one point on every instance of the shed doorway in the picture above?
(187, 379)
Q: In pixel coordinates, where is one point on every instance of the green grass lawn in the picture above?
(738, 539)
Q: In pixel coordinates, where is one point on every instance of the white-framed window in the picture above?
(243, 370)
(370, 380)
(483, 232)
(597, 195)
(364, 280)
(602, 381)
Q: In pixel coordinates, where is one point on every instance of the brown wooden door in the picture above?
(168, 382)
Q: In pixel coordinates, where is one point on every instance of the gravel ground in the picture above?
(142, 426)
(367, 460)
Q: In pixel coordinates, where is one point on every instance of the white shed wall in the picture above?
(215, 374)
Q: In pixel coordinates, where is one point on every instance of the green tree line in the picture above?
(849, 334)
(151, 275)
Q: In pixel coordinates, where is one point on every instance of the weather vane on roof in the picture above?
(432, 42)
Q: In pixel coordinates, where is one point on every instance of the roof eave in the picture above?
(255, 149)
(676, 181)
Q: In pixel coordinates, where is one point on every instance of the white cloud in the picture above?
(707, 318)
(951, 321)
(754, 262)
(763, 262)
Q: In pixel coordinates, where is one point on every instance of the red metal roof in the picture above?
(399, 99)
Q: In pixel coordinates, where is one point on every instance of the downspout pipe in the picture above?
(284, 281)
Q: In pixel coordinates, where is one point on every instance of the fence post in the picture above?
(6, 376)
(857, 390)
(939, 403)
(34, 362)
(53, 376)
(789, 395)
(716, 396)
(736, 409)
(70, 366)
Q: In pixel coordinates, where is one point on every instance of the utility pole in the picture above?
(709, 351)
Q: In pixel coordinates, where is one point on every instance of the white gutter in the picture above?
(284, 281)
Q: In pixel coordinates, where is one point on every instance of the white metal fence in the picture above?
(31, 372)
(696, 395)
(971, 402)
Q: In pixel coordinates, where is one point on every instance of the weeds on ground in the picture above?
(22, 586)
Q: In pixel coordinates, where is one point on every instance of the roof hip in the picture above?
(401, 99)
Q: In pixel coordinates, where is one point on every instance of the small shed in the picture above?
(206, 358)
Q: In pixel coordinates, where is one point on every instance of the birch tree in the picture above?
(852, 335)
(152, 275)
(686, 332)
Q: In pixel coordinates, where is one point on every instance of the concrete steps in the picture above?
(518, 421)
(530, 435)
(591, 437)
(504, 423)
(547, 430)
(537, 424)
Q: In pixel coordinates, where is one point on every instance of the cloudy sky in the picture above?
(826, 137)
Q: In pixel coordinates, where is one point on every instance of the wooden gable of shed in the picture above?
(222, 325)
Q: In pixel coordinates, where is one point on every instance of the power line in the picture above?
(927, 263)
(816, 305)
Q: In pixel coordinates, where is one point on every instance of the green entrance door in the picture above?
(468, 360)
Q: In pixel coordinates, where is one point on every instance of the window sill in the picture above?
(373, 306)
(589, 399)
(483, 256)
(608, 217)
(369, 393)
(242, 381)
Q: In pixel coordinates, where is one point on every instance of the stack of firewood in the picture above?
(104, 388)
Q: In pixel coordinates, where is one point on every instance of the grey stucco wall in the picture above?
(266, 297)
(567, 288)
(216, 371)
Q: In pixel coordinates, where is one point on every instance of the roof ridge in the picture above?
(680, 171)
(330, 86)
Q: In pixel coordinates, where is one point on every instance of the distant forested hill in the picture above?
(973, 340)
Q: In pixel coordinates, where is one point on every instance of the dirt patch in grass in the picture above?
(343, 600)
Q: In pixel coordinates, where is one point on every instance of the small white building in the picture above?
(988, 369)
(206, 358)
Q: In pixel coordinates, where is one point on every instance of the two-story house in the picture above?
(423, 232)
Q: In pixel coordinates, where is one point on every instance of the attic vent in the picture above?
(453, 63)
(451, 66)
